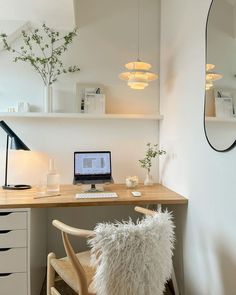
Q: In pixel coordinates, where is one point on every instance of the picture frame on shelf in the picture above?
(224, 102)
(90, 98)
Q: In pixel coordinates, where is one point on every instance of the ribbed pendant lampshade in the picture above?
(211, 76)
(138, 74)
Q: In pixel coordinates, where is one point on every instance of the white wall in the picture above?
(107, 40)
(206, 228)
(59, 138)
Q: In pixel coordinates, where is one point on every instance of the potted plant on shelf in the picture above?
(151, 153)
(43, 49)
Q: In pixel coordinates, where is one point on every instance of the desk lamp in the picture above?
(16, 144)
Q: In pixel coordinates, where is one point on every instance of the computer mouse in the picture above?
(136, 194)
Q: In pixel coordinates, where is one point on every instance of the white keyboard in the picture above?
(96, 195)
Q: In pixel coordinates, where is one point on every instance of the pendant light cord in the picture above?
(139, 28)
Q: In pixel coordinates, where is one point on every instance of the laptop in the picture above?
(92, 167)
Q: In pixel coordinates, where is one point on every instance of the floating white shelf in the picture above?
(220, 120)
(81, 116)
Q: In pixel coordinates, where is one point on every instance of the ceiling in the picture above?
(40, 11)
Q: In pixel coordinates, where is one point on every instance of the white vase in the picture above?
(48, 99)
(148, 180)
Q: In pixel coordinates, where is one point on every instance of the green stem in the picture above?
(36, 67)
(42, 53)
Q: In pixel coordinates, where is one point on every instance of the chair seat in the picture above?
(64, 269)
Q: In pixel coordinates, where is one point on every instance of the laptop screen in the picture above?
(92, 163)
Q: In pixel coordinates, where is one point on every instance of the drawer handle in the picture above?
(4, 249)
(5, 213)
(4, 232)
(5, 274)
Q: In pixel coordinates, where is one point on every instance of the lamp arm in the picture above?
(6, 164)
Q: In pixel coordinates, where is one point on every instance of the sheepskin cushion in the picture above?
(133, 259)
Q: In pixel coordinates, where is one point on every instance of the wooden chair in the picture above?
(74, 269)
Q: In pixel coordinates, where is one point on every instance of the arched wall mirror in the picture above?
(220, 92)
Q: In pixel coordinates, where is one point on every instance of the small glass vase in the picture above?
(48, 99)
(148, 180)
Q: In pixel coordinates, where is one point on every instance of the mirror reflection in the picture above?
(220, 96)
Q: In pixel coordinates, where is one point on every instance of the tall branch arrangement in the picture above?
(152, 152)
(43, 49)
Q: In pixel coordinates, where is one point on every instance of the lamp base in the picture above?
(16, 187)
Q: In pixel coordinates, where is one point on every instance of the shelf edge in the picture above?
(82, 116)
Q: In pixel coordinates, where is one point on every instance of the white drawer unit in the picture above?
(13, 283)
(13, 220)
(13, 238)
(13, 260)
(22, 251)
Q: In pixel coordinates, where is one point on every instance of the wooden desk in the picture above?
(156, 194)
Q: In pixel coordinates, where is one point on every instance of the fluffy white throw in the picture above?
(133, 259)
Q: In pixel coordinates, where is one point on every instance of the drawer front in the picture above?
(13, 220)
(13, 260)
(13, 238)
(15, 283)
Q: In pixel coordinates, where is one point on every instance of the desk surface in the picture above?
(156, 194)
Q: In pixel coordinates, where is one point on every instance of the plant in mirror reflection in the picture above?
(43, 49)
(151, 153)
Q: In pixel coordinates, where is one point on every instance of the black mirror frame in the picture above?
(204, 117)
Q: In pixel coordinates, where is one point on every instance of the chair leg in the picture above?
(54, 291)
(174, 281)
(50, 274)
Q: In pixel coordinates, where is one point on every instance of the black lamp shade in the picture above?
(16, 144)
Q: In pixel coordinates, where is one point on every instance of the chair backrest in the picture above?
(66, 230)
(109, 245)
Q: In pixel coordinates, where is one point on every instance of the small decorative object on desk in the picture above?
(148, 180)
(131, 181)
(43, 49)
(90, 98)
(152, 152)
(52, 180)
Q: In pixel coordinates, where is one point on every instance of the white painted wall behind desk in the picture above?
(59, 138)
(192, 168)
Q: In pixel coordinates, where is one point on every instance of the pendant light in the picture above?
(138, 73)
(211, 76)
